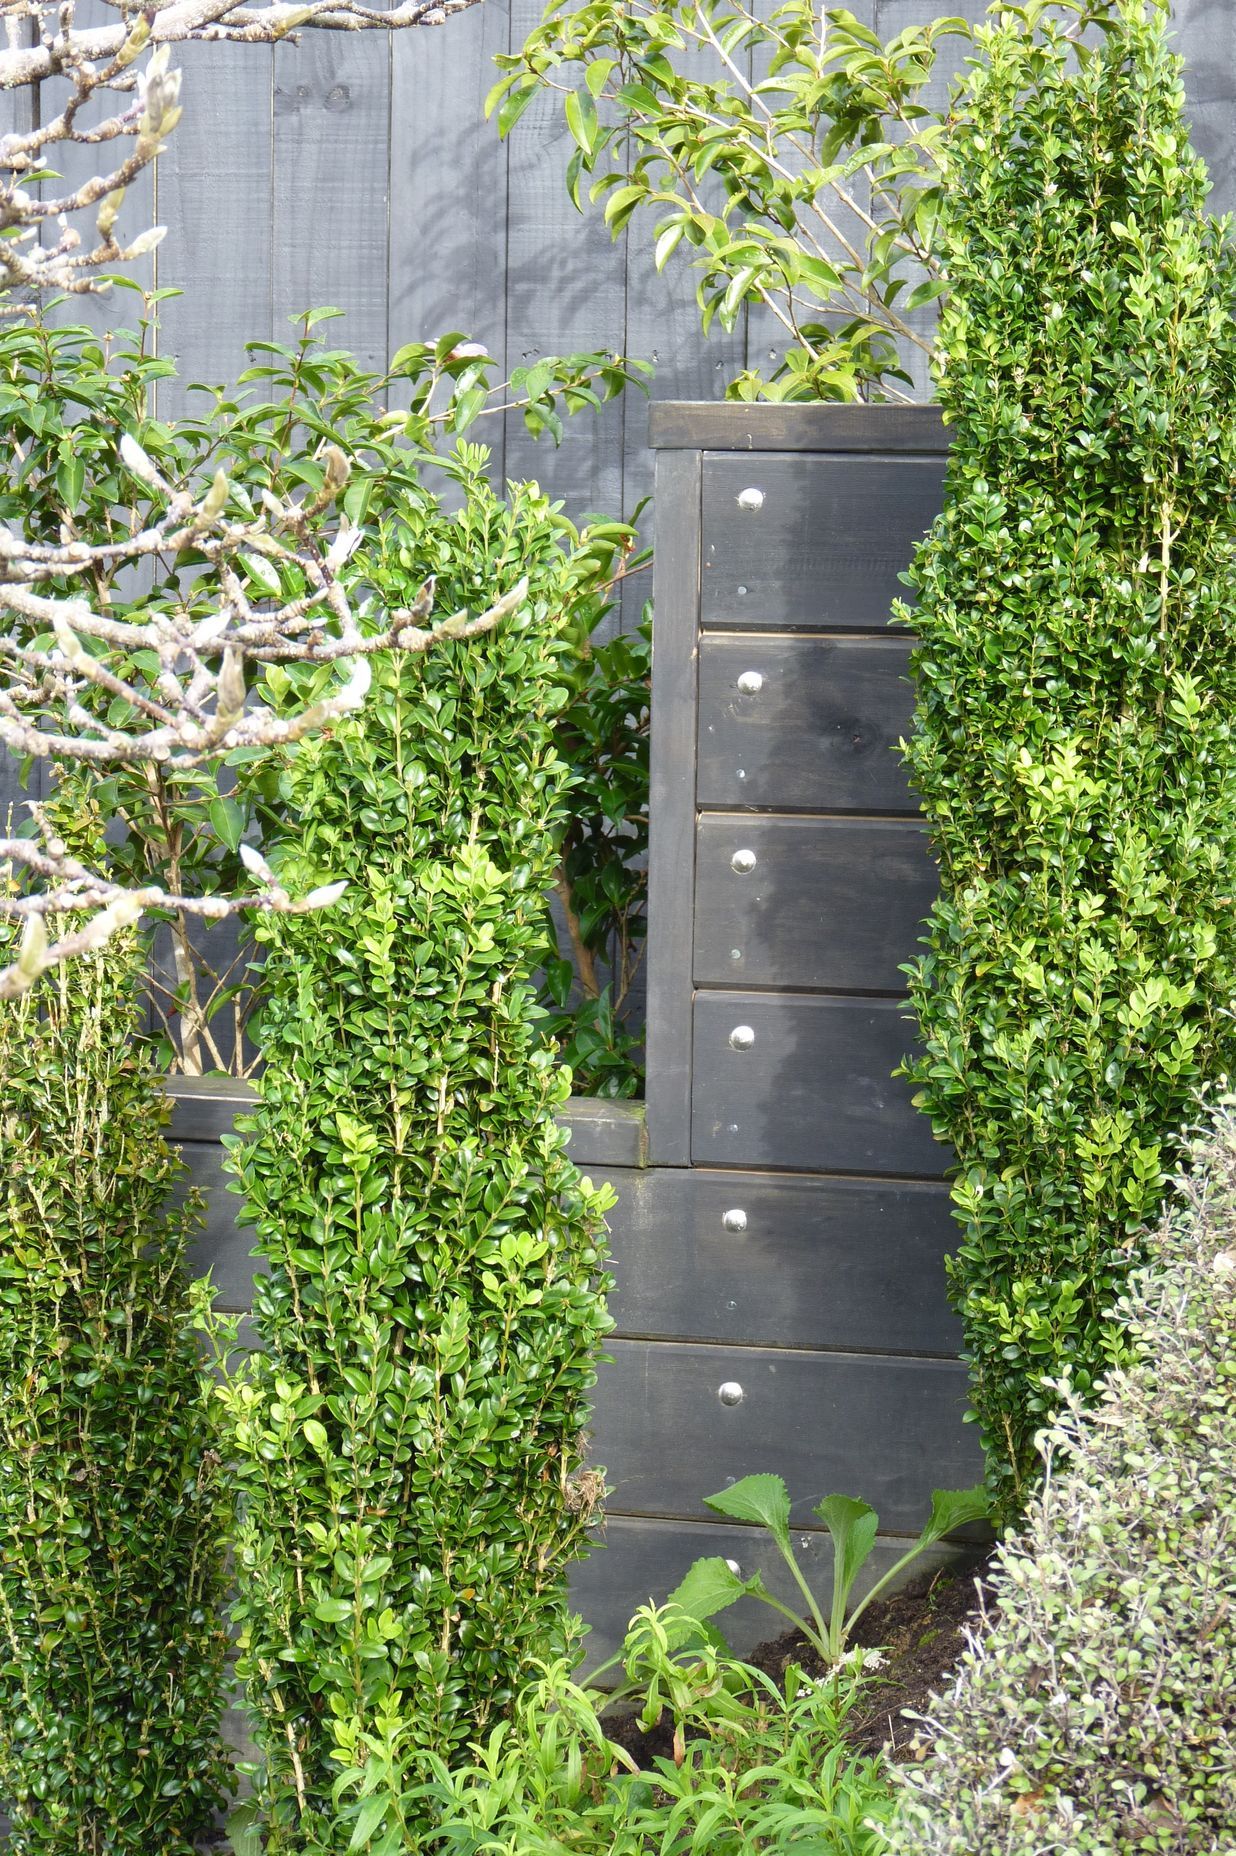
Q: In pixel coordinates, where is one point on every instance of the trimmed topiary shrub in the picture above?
(1075, 738)
(1094, 1713)
(112, 1646)
(410, 1438)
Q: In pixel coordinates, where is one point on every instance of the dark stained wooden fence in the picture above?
(787, 1236)
(782, 1221)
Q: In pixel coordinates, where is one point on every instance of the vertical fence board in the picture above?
(1206, 36)
(448, 190)
(331, 184)
(215, 199)
(565, 294)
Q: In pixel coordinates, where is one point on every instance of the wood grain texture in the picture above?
(1205, 34)
(688, 426)
(448, 191)
(605, 1132)
(823, 1421)
(825, 548)
(814, 1092)
(566, 285)
(832, 904)
(331, 186)
(819, 734)
(635, 1562)
(818, 1263)
(672, 811)
(215, 199)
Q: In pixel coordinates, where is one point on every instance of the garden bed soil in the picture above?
(921, 1633)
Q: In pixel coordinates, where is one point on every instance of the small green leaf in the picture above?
(711, 1585)
(954, 1508)
(227, 821)
(764, 1499)
(581, 118)
(852, 1525)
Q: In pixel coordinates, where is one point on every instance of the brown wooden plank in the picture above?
(813, 1092)
(782, 1261)
(887, 1429)
(637, 1561)
(815, 724)
(816, 543)
(791, 902)
(672, 811)
(685, 425)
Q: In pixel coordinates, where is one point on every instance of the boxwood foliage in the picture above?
(1093, 1713)
(1074, 739)
(409, 1440)
(112, 1642)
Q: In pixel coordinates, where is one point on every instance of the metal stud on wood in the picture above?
(750, 500)
(730, 1392)
(750, 682)
(743, 862)
(742, 1037)
(735, 1220)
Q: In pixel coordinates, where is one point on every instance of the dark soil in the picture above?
(921, 1633)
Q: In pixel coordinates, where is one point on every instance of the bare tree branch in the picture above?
(80, 685)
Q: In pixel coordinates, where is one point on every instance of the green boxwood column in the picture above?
(1076, 729)
(112, 1644)
(409, 1439)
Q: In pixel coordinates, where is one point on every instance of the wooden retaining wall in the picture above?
(782, 1221)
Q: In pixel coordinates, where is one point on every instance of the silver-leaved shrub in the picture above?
(1094, 1712)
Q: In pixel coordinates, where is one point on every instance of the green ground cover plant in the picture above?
(113, 1505)
(712, 1585)
(752, 1767)
(408, 1441)
(1094, 1712)
(1075, 734)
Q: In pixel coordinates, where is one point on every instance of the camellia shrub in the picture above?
(112, 1517)
(409, 1441)
(1075, 736)
(1093, 1713)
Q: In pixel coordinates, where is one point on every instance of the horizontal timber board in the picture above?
(830, 903)
(782, 1260)
(818, 732)
(824, 548)
(603, 1132)
(636, 1561)
(813, 1093)
(689, 425)
(843, 1264)
(890, 1429)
